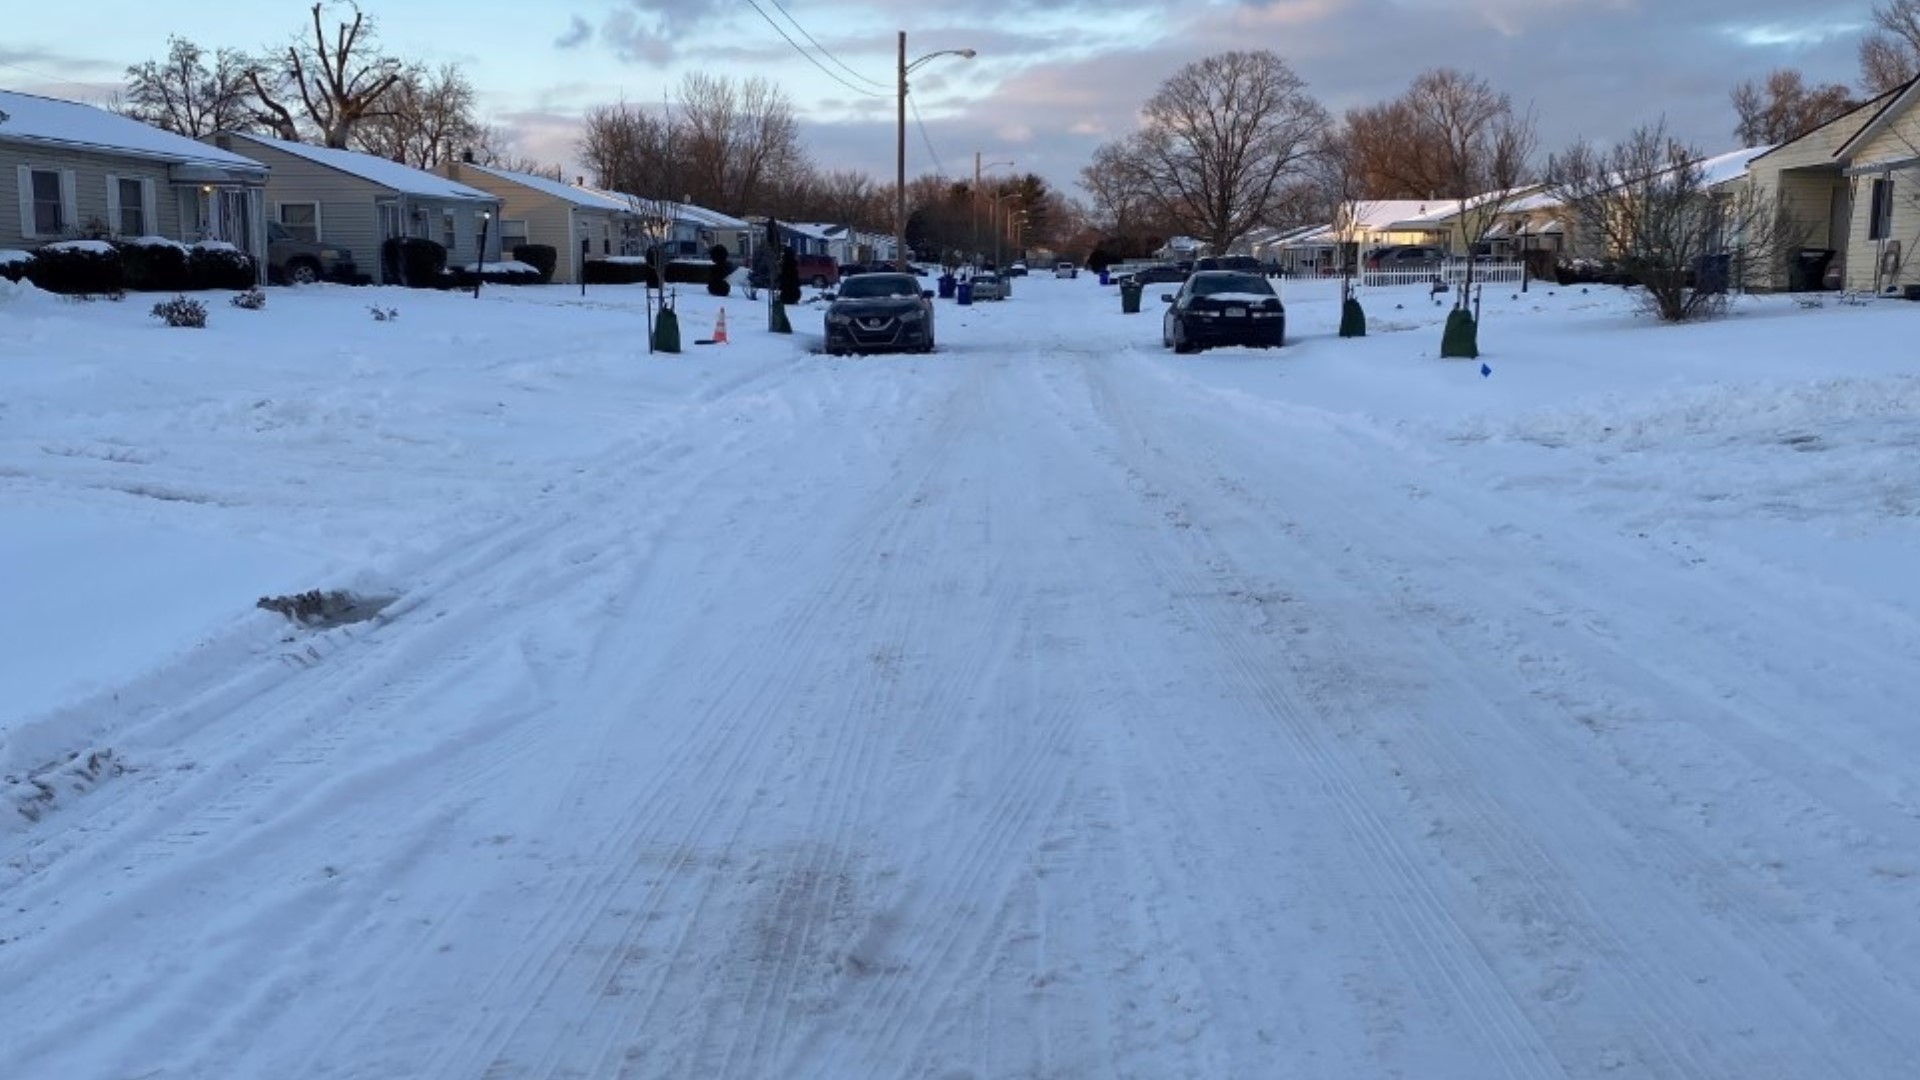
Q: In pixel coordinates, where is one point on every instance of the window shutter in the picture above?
(26, 201)
(113, 204)
(69, 202)
(149, 207)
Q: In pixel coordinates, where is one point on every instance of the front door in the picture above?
(393, 226)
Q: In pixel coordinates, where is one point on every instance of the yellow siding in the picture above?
(1899, 140)
(550, 221)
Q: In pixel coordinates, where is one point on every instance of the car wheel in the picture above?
(303, 271)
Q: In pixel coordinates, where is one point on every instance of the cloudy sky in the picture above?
(1052, 78)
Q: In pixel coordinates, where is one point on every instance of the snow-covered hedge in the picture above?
(511, 272)
(619, 270)
(542, 257)
(142, 264)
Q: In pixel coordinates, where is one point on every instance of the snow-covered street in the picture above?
(1049, 706)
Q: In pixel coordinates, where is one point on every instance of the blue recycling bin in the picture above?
(1103, 276)
(947, 283)
(963, 292)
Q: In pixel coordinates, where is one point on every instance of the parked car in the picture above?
(1065, 270)
(1162, 274)
(1223, 307)
(1405, 257)
(880, 311)
(1016, 269)
(303, 262)
(988, 286)
(1246, 264)
(818, 270)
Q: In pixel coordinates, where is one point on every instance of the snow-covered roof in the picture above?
(1379, 213)
(814, 229)
(31, 118)
(1308, 236)
(1731, 165)
(1440, 212)
(378, 170)
(584, 197)
(682, 211)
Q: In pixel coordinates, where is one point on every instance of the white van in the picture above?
(1065, 269)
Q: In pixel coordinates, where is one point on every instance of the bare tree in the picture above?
(1219, 141)
(1646, 205)
(427, 118)
(1485, 150)
(1890, 55)
(625, 149)
(331, 84)
(183, 94)
(738, 139)
(844, 195)
(1785, 107)
(1392, 155)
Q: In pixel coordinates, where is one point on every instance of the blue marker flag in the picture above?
(1485, 371)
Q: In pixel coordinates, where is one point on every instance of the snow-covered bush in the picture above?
(182, 311)
(619, 270)
(416, 262)
(154, 264)
(253, 299)
(216, 265)
(542, 257)
(13, 264)
(77, 267)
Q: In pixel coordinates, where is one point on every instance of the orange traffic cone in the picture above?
(720, 328)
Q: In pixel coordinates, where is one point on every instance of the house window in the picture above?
(513, 233)
(49, 209)
(131, 199)
(302, 220)
(449, 231)
(1880, 222)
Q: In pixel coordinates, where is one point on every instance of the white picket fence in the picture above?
(1453, 272)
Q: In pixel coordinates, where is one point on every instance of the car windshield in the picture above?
(875, 286)
(1215, 283)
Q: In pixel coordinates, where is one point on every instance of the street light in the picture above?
(900, 147)
(973, 204)
(993, 221)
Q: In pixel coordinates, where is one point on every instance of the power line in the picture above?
(815, 61)
(43, 76)
(823, 49)
(925, 138)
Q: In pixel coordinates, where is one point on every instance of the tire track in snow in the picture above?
(1418, 922)
(1547, 888)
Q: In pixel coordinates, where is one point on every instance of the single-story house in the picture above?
(1851, 186)
(351, 200)
(75, 171)
(541, 210)
(1367, 223)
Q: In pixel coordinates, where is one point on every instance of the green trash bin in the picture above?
(666, 332)
(1130, 297)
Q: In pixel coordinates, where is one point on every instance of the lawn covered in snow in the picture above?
(1046, 706)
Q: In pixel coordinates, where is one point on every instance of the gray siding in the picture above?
(88, 172)
(350, 208)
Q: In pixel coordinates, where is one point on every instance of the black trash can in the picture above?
(1807, 270)
(1710, 273)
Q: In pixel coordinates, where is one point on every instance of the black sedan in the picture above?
(1224, 307)
(1164, 274)
(880, 312)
